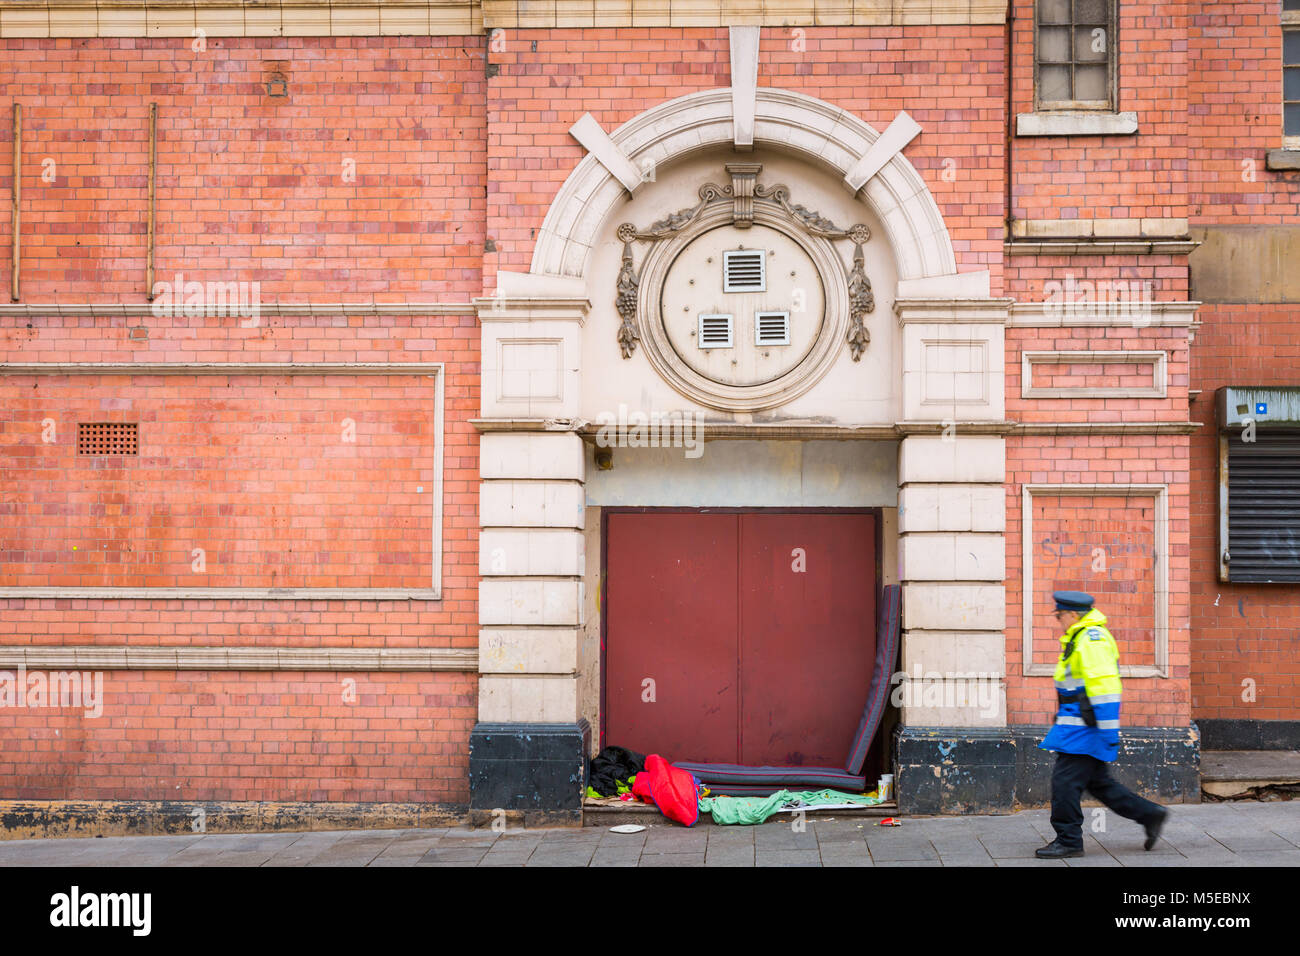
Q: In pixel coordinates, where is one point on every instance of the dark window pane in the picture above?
(1090, 83)
(1053, 11)
(1054, 83)
(1291, 83)
(1292, 127)
(1291, 47)
(1291, 4)
(1090, 44)
(1091, 11)
(1054, 45)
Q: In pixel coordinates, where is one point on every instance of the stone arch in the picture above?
(794, 122)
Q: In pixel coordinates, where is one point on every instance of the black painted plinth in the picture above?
(538, 769)
(989, 770)
(1249, 734)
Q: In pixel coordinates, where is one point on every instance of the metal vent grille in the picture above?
(744, 271)
(1264, 506)
(108, 438)
(715, 332)
(772, 328)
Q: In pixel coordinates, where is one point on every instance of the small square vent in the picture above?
(108, 438)
(772, 328)
(744, 271)
(715, 332)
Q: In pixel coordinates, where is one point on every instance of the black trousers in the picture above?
(1075, 773)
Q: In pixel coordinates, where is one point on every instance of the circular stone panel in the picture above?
(791, 298)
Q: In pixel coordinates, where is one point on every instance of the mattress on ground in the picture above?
(830, 778)
(716, 775)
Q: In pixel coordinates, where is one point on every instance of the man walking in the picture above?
(1086, 734)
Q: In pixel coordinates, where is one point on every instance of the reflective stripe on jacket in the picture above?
(1088, 691)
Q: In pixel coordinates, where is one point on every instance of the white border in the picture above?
(1159, 360)
(437, 369)
(1160, 493)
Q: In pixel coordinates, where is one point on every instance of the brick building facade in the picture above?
(364, 528)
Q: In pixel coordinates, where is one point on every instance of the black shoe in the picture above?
(1153, 829)
(1055, 851)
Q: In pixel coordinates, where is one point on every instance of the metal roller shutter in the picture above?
(1263, 518)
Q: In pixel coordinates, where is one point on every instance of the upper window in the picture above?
(1291, 73)
(1075, 55)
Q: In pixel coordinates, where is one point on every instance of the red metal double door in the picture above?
(744, 637)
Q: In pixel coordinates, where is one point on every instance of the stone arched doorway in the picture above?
(897, 423)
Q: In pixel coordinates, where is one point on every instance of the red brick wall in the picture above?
(1066, 530)
(1239, 631)
(397, 423)
(260, 189)
(250, 189)
(948, 78)
(1110, 177)
(1235, 115)
(1163, 276)
(229, 735)
(1171, 408)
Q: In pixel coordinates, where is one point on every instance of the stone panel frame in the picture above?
(1160, 495)
(434, 369)
(1159, 360)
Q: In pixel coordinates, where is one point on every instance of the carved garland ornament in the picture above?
(742, 192)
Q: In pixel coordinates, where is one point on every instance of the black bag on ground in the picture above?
(611, 765)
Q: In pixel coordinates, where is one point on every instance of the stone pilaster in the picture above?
(528, 749)
(951, 523)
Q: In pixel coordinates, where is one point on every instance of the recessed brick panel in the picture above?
(1105, 546)
(253, 481)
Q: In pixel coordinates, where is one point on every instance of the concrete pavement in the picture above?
(1223, 834)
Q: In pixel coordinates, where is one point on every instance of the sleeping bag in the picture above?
(674, 791)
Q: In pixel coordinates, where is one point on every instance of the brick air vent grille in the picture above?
(108, 438)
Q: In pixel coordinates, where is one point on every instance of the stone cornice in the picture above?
(1104, 428)
(718, 13)
(1142, 315)
(220, 368)
(514, 308)
(146, 309)
(811, 431)
(930, 311)
(1100, 247)
(233, 18)
(217, 18)
(756, 431)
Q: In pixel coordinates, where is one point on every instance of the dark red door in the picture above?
(752, 632)
(807, 635)
(670, 660)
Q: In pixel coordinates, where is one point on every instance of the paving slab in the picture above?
(1245, 833)
(671, 859)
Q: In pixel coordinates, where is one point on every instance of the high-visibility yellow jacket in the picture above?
(1088, 691)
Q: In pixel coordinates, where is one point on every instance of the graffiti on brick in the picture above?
(1100, 551)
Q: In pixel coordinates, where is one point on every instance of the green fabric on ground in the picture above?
(624, 786)
(751, 810)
